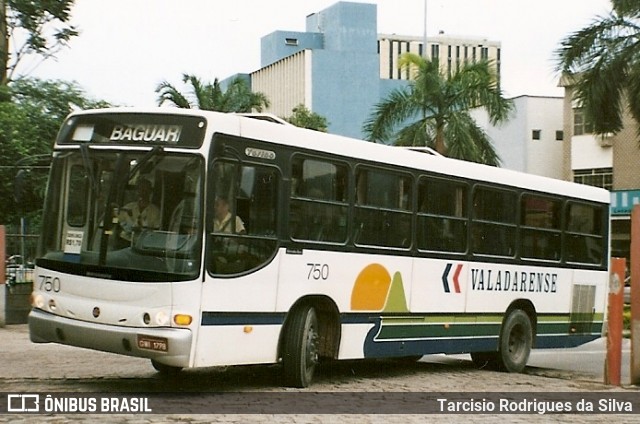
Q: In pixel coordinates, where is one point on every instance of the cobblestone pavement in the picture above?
(28, 368)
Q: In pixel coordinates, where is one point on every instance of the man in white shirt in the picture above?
(222, 222)
(139, 214)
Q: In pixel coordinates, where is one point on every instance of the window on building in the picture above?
(559, 135)
(580, 124)
(536, 134)
(598, 177)
(435, 52)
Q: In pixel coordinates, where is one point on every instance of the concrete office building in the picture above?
(451, 52)
(531, 140)
(340, 67)
(609, 161)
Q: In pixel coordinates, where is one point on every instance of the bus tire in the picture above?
(516, 339)
(165, 370)
(300, 353)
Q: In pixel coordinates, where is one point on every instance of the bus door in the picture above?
(242, 263)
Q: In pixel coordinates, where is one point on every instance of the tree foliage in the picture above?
(32, 28)
(603, 60)
(237, 97)
(433, 110)
(29, 124)
(302, 117)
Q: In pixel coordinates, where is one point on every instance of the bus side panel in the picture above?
(493, 287)
(438, 286)
(186, 301)
(239, 323)
(363, 287)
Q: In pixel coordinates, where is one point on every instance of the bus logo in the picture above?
(455, 278)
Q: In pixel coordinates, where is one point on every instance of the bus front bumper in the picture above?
(170, 346)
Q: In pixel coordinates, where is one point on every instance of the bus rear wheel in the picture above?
(300, 353)
(516, 339)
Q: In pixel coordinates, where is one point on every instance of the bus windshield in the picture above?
(130, 215)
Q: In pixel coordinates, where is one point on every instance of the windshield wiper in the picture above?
(88, 165)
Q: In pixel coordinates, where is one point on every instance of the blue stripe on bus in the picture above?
(564, 340)
(273, 318)
(243, 318)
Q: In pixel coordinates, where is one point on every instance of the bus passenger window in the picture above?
(318, 210)
(494, 222)
(244, 210)
(540, 222)
(223, 220)
(383, 209)
(442, 215)
(585, 233)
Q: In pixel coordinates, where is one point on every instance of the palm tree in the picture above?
(238, 96)
(433, 110)
(603, 60)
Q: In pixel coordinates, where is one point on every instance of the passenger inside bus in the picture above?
(139, 214)
(223, 222)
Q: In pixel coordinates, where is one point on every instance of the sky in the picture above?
(127, 47)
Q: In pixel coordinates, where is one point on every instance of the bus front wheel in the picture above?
(165, 370)
(516, 339)
(300, 353)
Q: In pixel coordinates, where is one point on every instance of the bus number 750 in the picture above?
(49, 283)
(318, 272)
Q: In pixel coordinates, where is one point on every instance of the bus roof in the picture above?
(276, 132)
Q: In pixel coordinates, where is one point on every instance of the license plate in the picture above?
(159, 344)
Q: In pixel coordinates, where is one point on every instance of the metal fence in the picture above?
(21, 253)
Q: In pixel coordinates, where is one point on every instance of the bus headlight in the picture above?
(162, 318)
(38, 301)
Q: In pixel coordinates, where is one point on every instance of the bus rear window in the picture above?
(585, 233)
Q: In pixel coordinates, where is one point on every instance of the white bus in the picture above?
(265, 243)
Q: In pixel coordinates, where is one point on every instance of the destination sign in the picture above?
(134, 129)
(169, 134)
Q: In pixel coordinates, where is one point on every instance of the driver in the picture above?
(139, 214)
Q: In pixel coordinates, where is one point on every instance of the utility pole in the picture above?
(424, 42)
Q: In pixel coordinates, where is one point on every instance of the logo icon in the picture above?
(455, 279)
(23, 403)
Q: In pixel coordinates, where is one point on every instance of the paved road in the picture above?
(28, 368)
(586, 361)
